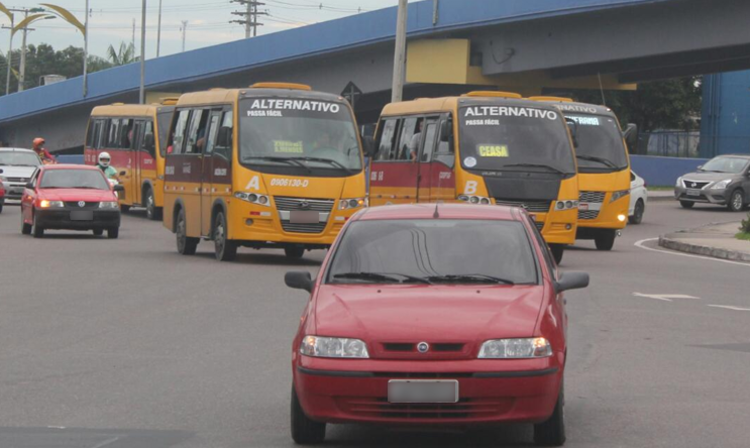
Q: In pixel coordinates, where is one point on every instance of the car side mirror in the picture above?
(28, 185)
(224, 140)
(368, 146)
(299, 280)
(446, 131)
(630, 134)
(1, 171)
(573, 126)
(119, 188)
(572, 280)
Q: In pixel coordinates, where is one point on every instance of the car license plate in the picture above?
(304, 217)
(693, 192)
(15, 190)
(423, 391)
(583, 206)
(82, 215)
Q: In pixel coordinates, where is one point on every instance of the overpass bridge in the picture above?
(529, 46)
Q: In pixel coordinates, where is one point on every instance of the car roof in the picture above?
(741, 156)
(445, 211)
(68, 166)
(15, 150)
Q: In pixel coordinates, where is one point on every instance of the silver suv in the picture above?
(18, 165)
(723, 180)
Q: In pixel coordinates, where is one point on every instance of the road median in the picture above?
(714, 240)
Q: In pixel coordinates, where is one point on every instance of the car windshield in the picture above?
(434, 251)
(600, 146)
(89, 179)
(19, 158)
(732, 165)
(514, 138)
(299, 134)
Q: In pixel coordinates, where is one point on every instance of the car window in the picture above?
(93, 179)
(429, 248)
(730, 165)
(19, 158)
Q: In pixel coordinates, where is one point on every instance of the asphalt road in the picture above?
(124, 343)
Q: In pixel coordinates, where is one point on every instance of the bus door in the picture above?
(134, 173)
(146, 158)
(442, 175)
(394, 170)
(207, 190)
(428, 137)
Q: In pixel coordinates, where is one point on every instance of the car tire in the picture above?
(736, 201)
(605, 241)
(113, 233)
(557, 251)
(294, 252)
(152, 211)
(36, 230)
(304, 430)
(552, 432)
(638, 211)
(98, 232)
(687, 204)
(225, 249)
(1, 207)
(185, 244)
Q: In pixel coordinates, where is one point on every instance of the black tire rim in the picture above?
(737, 201)
(220, 235)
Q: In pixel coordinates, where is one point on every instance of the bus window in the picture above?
(224, 148)
(429, 142)
(445, 153)
(213, 129)
(147, 143)
(178, 136)
(163, 121)
(90, 134)
(387, 138)
(197, 133)
(114, 133)
(125, 140)
(408, 130)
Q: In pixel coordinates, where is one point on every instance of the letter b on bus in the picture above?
(471, 187)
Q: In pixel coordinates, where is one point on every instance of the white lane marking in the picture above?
(733, 308)
(665, 297)
(669, 252)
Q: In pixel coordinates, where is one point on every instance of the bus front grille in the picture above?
(285, 205)
(596, 197)
(588, 214)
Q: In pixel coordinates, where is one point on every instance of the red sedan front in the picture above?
(71, 197)
(433, 316)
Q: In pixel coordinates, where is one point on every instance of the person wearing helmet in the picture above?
(109, 171)
(42, 152)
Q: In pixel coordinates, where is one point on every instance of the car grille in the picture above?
(531, 206)
(74, 204)
(596, 197)
(465, 408)
(698, 185)
(588, 214)
(284, 203)
(412, 347)
(18, 180)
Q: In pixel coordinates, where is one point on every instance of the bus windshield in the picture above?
(303, 134)
(600, 144)
(514, 138)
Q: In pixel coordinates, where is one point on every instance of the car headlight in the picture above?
(679, 182)
(253, 198)
(51, 204)
(566, 205)
(349, 204)
(721, 185)
(333, 347)
(109, 204)
(515, 348)
(619, 195)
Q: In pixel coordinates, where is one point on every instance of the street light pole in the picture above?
(158, 33)
(142, 95)
(184, 31)
(399, 57)
(22, 68)
(10, 55)
(86, 51)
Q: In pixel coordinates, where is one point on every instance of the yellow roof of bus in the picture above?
(125, 110)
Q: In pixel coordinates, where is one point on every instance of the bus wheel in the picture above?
(152, 211)
(557, 252)
(185, 244)
(294, 252)
(225, 249)
(605, 240)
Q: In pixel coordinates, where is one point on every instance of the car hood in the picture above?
(437, 314)
(72, 194)
(17, 171)
(709, 177)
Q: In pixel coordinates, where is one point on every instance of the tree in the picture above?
(123, 56)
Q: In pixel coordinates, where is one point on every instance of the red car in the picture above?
(425, 315)
(2, 193)
(72, 197)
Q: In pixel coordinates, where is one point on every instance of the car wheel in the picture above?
(557, 252)
(294, 252)
(687, 204)
(1, 207)
(36, 229)
(152, 211)
(304, 430)
(637, 217)
(98, 232)
(225, 249)
(605, 241)
(552, 432)
(185, 244)
(736, 201)
(113, 233)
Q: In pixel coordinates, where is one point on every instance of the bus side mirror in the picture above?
(573, 126)
(299, 280)
(148, 141)
(224, 140)
(446, 131)
(368, 145)
(630, 134)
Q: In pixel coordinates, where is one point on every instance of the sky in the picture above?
(111, 21)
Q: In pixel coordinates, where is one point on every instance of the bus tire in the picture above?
(185, 244)
(606, 240)
(294, 252)
(225, 249)
(557, 252)
(152, 211)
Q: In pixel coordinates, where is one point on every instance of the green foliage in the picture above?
(122, 56)
(745, 225)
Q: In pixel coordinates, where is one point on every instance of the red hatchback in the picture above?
(72, 197)
(431, 315)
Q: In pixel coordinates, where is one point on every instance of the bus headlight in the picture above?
(349, 204)
(253, 198)
(475, 199)
(619, 195)
(566, 205)
(515, 349)
(333, 347)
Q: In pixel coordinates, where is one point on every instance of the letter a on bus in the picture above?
(254, 184)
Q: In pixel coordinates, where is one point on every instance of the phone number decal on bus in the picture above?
(296, 183)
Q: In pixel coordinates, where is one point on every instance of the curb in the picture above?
(661, 199)
(708, 251)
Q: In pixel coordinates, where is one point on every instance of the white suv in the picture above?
(18, 165)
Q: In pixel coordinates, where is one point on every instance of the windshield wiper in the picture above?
(322, 160)
(381, 277)
(289, 160)
(468, 278)
(601, 160)
(534, 165)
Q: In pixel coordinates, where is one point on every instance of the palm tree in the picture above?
(125, 55)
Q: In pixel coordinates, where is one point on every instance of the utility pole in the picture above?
(10, 54)
(86, 52)
(249, 17)
(142, 92)
(22, 68)
(158, 32)
(184, 31)
(399, 57)
(132, 43)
